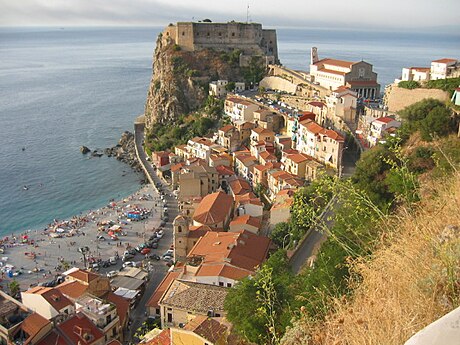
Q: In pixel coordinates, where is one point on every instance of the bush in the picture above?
(409, 84)
(448, 85)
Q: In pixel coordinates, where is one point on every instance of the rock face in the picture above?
(125, 151)
(180, 80)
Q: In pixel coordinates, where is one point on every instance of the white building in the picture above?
(342, 103)
(239, 109)
(415, 74)
(333, 73)
(379, 127)
(444, 68)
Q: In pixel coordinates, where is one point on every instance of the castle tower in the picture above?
(180, 235)
(314, 55)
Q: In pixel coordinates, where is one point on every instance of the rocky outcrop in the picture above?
(125, 151)
(180, 80)
(84, 150)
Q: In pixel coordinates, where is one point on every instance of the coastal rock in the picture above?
(97, 153)
(84, 150)
(125, 151)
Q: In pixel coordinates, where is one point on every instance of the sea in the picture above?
(61, 88)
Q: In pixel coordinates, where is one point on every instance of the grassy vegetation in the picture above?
(165, 136)
(409, 84)
(386, 184)
(448, 85)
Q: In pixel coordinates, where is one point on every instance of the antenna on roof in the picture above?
(247, 14)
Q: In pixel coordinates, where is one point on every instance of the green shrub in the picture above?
(409, 84)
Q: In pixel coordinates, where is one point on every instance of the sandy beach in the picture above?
(38, 256)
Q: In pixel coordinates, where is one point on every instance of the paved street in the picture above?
(138, 314)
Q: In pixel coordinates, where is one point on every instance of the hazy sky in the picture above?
(377, 14)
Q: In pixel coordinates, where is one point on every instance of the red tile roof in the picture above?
(83, 275)
(241, 249)
(224, 170)
(213, 209)
(207, 328)
(162, 287)
(177, 167)
(445, 60)
(335, 62)
(53, 338)
(80, 330)
(33, 324)
(385, 119)
(298, 158)
(164, 338)
(330, 71)
(53, 296)
(247, 219)
(72, 289)
(198, 231)
(222, 270)
(227, 128)
(317, 104)
(240, 186)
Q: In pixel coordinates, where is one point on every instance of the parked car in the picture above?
(105, 263)
(113, 260)
(160, 234)
(101, 238)
(169, 252)
(127, 257)
(154, 257)
(154, 239)
(112, 274)
(167, 257)
(145, 251)
(129, 264)
(140, 247)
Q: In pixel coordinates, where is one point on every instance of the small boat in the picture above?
(25, 188)
(23, 149)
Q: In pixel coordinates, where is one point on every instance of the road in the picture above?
(138, 314)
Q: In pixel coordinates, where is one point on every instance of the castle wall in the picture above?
(250, 38)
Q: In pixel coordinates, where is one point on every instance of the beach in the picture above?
(39, 256)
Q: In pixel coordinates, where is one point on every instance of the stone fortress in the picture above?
(250, 38)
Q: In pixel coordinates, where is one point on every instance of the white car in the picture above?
(129, 264)
(112, 274)
(160, 234)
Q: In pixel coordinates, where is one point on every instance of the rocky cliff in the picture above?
(180, 79)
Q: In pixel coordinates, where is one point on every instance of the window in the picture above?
(170, 317)
(208, 34)
(233, 34)
(183, 33)
(221, 284)
(229, 284)
(179, 228)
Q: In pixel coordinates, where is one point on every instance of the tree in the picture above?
(418, 111)
(258, 306)
(230, 86)
(14, 287)
(436, 123)
(281, 235)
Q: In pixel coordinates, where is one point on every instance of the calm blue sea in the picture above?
(63, 88)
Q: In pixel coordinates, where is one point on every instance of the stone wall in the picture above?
(277, 83)
(397, 98)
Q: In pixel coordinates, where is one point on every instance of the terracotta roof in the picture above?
(213, 209)
(385, 119)
(247, 219)
(72, 289)
(290, 151)
(53, 338)
(227, 128)
(261, 130)
(421, 69)
(307, 115)
(240, 249)
(207, 328)
(265, 155)
(224, 170)
(331, 71)
(163, 338)
(298, 158)
(177, 167)
(335, 62)
(33, 324)
(53, 296)
(83, 275)
(317, 104)
(198, 231)
(181, 147)
(195, 297)
(313, 127)
(240, 186)
(286, 192)
(161, 288)
(247, 125)
(80, 330)
(244, 197)
(445, 60)
(121, 304)
(222, 270)
(334, 135)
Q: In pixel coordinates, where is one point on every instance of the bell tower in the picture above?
(314, 55)
(180, 235)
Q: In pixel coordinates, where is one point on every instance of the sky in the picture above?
(363, 14)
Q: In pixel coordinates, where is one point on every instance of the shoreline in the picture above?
(40, 255)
